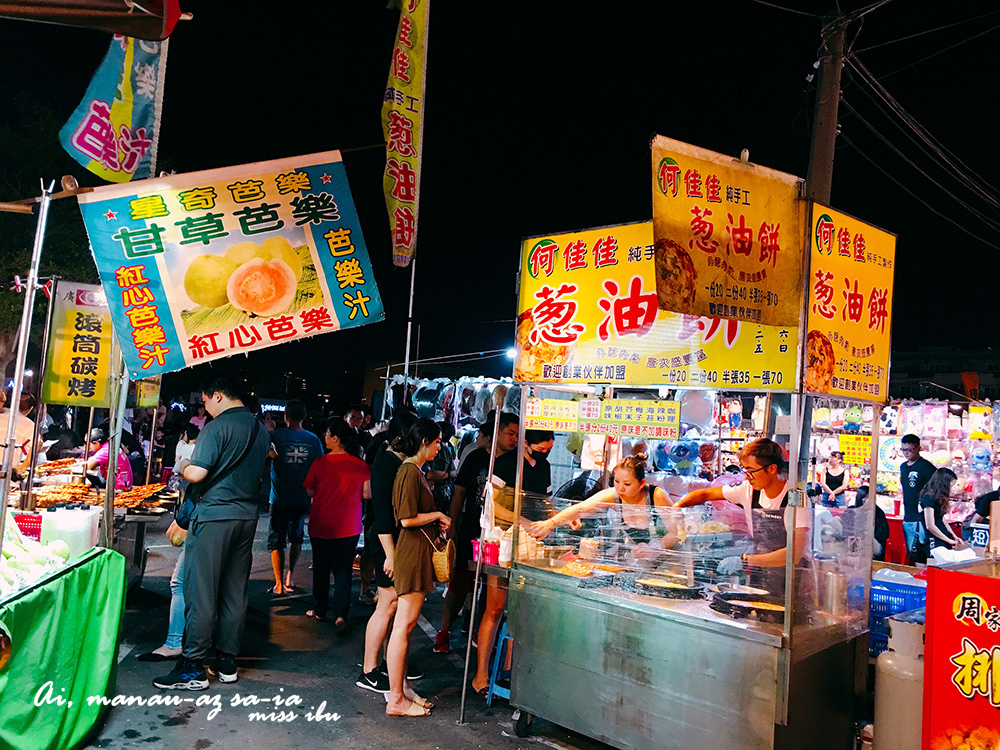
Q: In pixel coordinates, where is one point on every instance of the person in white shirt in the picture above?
(763, 496)
(24, 430)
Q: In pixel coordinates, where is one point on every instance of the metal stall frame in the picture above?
(632, 664)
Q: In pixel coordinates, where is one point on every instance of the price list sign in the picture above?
(559, 415)
(857, 449)
(630, 418)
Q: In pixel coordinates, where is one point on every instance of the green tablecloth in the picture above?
(65, 631)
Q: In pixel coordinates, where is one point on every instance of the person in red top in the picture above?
(337, 483)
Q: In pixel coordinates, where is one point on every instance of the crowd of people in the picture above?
(401, 486)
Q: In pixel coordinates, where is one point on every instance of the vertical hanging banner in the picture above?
(961, 661)
(114, 130)
(849, 315)
(727, 235)
(402, 127)
(78, 361)
(210, 264)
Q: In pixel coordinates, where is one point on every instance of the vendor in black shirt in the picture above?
(914, 473)
(535, 481)
(985, 497)
(536, 476)
(466, 508)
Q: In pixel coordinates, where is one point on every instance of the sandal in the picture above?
(420, 701)
(312, 613)
(483, 692)
(414, 711)
(274, 592)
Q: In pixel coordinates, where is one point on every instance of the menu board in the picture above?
(559, 415)
(631, 418)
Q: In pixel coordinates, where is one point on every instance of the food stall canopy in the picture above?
(153, 20)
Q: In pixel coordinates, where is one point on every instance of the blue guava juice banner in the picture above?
(209, 264)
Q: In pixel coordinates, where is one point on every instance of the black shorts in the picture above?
(376, 553)
(288, 525)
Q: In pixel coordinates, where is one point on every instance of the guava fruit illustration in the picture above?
(278, 248)
(206, 278)
(262, 287)
(241, 252)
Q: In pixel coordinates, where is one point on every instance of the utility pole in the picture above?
(820, 177)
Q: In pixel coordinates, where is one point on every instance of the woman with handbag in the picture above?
(419, 524)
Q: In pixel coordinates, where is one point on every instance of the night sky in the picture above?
(538, 119)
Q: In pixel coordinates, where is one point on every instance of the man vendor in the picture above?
(764, 497)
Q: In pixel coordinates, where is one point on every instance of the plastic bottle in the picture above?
(899, 685)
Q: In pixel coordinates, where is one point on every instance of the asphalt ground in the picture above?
(286, 654)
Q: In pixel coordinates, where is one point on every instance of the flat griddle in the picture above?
(739, 606)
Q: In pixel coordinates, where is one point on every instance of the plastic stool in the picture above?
(497, 672)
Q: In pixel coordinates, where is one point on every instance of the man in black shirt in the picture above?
(914, 473)
(466, 508)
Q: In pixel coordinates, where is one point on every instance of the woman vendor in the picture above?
(632, 507)
(764, 497)
(100, 458)
(834, 481)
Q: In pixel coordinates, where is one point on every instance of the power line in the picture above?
(927, 205)
(940, 52)
(789, 10)
(961, 172)
(928, 31)
(979, 215)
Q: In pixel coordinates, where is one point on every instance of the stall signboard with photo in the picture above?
(558, 415)
(857, 449)
(631, 418)
(961, 661)
(728, 236)
(78, 361)
(209, 264)
(849, 313)
(588, 314)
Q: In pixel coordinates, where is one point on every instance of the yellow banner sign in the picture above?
(556, 414)
(78, 362)
(588, 313)
(631, 418)
(402, 127)
(728, 236)
(850, 306)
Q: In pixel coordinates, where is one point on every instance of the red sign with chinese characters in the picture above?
(961, 661)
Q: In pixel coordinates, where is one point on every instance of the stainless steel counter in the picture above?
(642, 672)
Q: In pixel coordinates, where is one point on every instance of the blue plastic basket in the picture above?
(890, 598)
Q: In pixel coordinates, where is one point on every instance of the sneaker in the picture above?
(414, 674)
(225, 667)
(375, 681)
(442, 642)
(186, 675)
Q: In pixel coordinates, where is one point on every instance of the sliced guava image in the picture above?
(278, 248)
(206, 280)
(262, 287)
(241, 252)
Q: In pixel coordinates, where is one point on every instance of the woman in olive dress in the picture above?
(419, 522)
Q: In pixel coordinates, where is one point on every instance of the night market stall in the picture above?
(684, 628)
(190, 273)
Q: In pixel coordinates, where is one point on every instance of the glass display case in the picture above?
(656, 612)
